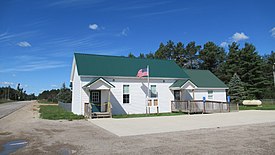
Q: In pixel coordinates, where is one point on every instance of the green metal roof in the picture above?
(179, 83)
(204, 79)
(102, 65)
(96, 79)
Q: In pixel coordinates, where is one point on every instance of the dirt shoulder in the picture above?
(83, 137)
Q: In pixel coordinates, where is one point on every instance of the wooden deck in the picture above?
(198, 106)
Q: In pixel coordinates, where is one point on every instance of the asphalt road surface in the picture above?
(10, 107)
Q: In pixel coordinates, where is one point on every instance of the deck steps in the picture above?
(101, 115)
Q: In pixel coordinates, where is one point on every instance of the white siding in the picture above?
(76, 96)
(218, 94)
(138, 91)
(187, 95)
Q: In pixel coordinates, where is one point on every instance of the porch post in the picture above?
(109, 95)
(109, 103)
(193, 90)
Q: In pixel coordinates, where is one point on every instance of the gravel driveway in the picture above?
(83, 137)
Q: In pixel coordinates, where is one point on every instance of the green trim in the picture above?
(181, 83)
(95, 80)
(178, 83)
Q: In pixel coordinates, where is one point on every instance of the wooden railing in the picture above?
(198, 106)
(88, 110)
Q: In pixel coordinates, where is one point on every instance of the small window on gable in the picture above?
(210, 94)
(126, 94)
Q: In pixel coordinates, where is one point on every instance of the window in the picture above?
(95, 96)
(210, 94)
(126, 94)
(153, 91)
(177, 95)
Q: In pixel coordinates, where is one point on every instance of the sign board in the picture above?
(228, 99)
(203, 99)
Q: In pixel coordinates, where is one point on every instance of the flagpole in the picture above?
(148, 83)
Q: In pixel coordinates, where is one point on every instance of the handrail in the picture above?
(197, 106)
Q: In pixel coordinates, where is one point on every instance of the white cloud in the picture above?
(24, 44)
(125, 32)
(54, 86)
(32, 63)
(6, 83)
(239, 36)
(8, 37)
(272, 32)
(93, 26)
(224, 44)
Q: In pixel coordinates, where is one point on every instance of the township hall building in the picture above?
(110, 84)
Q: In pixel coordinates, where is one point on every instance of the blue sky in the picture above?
(38, 38)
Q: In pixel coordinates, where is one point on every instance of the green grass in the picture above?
(43, 101)
(54, 112)
(147, 115)
(263, 107)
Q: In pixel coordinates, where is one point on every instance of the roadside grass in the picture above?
(147, 115)
(262, 107)
(53, 112)
(43, 101)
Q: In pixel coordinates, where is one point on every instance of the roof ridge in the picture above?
(122, 57)
(196, 69)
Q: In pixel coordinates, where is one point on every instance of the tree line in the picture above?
(248, 74)
(63, 94)
(18, 94)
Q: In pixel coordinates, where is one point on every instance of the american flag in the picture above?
(143, 72)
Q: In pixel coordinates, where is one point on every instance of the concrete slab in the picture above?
(151, 125)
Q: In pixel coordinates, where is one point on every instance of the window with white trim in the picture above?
(126, 94)
(153, 91)
(210, 94)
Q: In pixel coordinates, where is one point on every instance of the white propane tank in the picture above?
(252, 102)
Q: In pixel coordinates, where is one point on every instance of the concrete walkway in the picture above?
(150, 125)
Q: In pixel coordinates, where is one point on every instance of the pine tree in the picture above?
(236, 89)
(150, 55)
(191, 51)
(269, 61)
(211, 56)
(160, 53)
(251, 70)
(141, 55)
(232, 62)
(131, 55)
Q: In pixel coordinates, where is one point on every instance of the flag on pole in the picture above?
(143, 72)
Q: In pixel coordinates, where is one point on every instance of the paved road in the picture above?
(150, 125)
(8, 108)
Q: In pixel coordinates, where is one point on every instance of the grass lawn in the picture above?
(54, 112)
(263, 107)
(147, 115)
(46, 102)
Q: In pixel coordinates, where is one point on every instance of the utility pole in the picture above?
(274, 73)
(9, 93)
